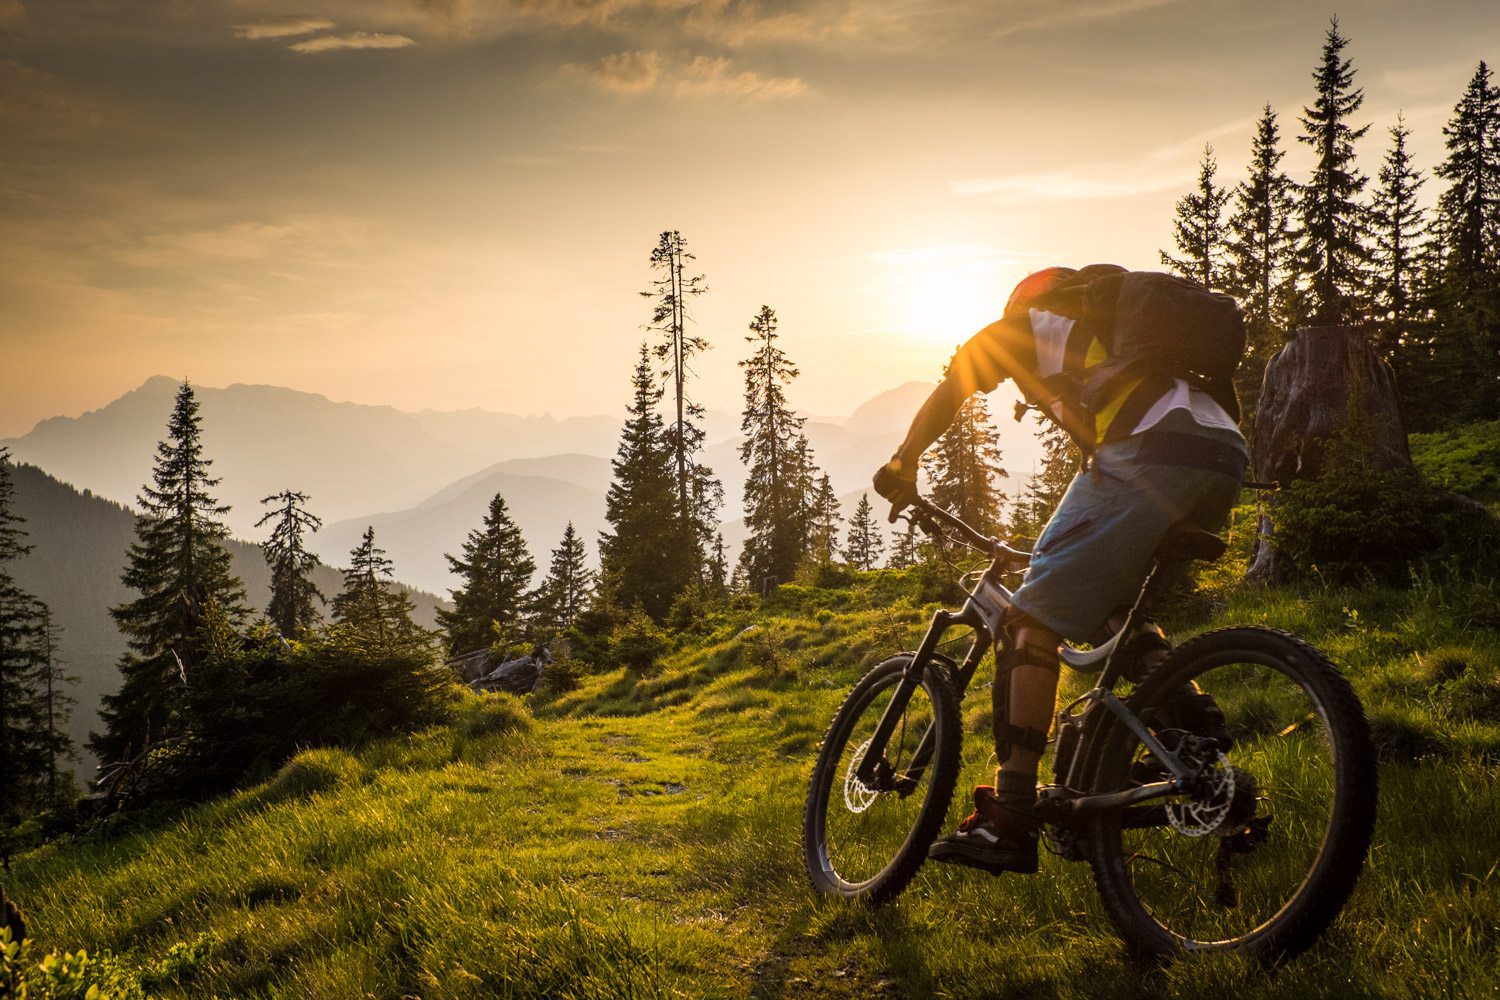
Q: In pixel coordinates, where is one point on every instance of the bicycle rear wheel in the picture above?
(864, 842)
(1261, 858)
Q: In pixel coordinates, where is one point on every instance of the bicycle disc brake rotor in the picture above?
(859, 796)
(1208, 810)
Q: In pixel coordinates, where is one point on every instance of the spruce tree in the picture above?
(1199, 231)
(719, 581)
(1330, 252)
(865, 543)
(1046, 486)
(1467, 347)
(177, 565)
(904, 549)
(823, 528)
(293, 593)
(775, 454)
(30, 743)
(699, 494)
(964, 466)
(648, 555)
(1399, 225)
(1260, 266)
(567, 587)
(496, 569)
(370, 607)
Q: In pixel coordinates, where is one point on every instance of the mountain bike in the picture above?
(1243, 835)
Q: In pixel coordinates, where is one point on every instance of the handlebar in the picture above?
(931, 518)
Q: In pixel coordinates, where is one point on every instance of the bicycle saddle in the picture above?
(1184, 542)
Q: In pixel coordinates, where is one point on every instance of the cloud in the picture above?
(352, 40)
(1054, 15)
(284, 27)
(703, 76)
(28, 94)
(719, 77)
(626, 72)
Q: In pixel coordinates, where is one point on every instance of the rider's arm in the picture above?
(983, 362)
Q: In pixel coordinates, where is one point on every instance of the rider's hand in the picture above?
(896, 484)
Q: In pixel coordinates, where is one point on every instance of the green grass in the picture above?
(639, 837)
(1465, 460)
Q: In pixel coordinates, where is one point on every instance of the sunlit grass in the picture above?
(639, 837)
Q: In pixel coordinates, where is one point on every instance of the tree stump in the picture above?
(1324, 379)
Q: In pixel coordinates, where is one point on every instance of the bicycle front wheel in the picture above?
(864, 842)
(1263, 854)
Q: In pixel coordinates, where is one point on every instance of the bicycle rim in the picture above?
(1261, 857)
(867, 842)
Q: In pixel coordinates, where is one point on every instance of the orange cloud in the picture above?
(352, 40)
(285, 27)
(639, 72)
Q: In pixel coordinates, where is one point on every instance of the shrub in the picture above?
(639, 644)
(62, 975)
(1354, 520)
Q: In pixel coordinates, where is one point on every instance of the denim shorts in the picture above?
(1096, 551)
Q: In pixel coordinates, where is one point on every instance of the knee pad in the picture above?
(1008, 736)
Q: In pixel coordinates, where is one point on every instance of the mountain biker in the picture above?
(1160, 450)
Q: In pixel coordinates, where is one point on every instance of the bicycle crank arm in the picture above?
(1057, 807)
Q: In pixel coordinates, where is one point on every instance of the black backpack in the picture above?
(1152, 324)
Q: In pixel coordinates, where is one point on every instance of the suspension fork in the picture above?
(873, 768)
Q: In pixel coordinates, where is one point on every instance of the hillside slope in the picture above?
(80, 542)
(641, 838)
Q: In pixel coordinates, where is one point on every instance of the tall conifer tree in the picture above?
(1260, 268)
(30, 743)
(648, 555)
(1467, 347)
(904, 549)
(177, 565)
(1331, 253)
(566, 588)
(1199, 229)
(496, 569)
(1399, 225)
(293, 592)
(371, 607)
(865, 541)
(823, 527)
(775, 454)
(699, 494)
(964, 466)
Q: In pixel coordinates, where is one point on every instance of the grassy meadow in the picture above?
(639, 837)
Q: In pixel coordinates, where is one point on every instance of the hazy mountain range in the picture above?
(423, 480)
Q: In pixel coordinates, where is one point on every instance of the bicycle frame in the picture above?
(985, 611)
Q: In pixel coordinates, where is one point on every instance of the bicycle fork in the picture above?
(874, 771)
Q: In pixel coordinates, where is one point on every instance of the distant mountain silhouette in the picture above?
(351, 459)
(418, 538)
(80, 542)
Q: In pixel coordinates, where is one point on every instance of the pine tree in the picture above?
(1046, 486)
(566, 588)
(775, 454)
(1467, 347)
(293, 591)
(496, 569)
(648, 556)
(1259, 269)
(370, 607)
(718, 568)
(823, 529)
(699, 494)
(865, 542)
(1399, 225)
(964, 466)
(1330, 252)
(904, 549)
(30, 743)
(177, 564)
(1199, 230)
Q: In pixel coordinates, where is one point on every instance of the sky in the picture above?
(451, 203)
